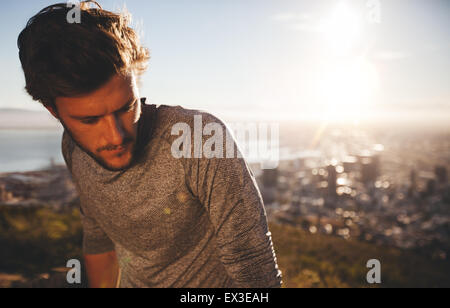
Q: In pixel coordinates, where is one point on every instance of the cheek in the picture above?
(84, 134)
(87, 137)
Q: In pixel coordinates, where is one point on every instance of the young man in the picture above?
(150, 218)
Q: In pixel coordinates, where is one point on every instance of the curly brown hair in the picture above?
(62, 59)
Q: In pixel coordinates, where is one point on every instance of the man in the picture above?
(150, 218)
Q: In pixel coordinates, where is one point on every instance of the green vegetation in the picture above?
(35, 240)
(325, 261)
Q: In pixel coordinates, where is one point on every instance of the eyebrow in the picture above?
(124, 107)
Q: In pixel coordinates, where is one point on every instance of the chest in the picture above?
(145, 209)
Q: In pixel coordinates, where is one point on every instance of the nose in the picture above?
(114, 132)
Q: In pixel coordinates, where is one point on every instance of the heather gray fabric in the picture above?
(188, 222)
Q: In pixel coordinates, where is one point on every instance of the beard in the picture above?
(143, 136)
(99, 159)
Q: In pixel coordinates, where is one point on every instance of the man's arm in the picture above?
(102, 270)
(228, 190)
(102, 266)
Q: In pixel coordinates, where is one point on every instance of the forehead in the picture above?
(108, 98)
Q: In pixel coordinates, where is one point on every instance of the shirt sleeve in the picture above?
(228, 190)
(95, 240)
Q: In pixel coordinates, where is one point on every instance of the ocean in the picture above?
(35, 149)
(29, 149)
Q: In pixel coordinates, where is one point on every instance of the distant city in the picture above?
(389, 188)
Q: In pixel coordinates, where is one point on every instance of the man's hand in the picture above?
(102, 270)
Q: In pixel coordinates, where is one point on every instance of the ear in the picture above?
(53, 111)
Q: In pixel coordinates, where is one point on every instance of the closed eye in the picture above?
(90, 121)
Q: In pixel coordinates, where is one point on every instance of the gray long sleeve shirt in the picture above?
(175, 222)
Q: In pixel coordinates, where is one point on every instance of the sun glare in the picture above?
(347, 88)
(346, 81)
(342, 28)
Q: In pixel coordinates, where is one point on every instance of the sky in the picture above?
(288, 59)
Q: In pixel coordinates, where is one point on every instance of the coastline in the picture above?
(51, 186)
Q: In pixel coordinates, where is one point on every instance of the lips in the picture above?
(119, 150)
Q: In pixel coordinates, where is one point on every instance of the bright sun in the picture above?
(346, 88)
(346, 81)
(342, 28)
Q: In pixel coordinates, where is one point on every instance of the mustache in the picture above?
(126, 142)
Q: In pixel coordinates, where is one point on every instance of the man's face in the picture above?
(104, 123)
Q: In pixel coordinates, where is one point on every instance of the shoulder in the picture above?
(170, 115)
(67, 147)
(169, 118)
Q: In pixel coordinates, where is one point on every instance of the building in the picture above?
(441, 174)
(331, 179)
(369, 168)
(270, 177)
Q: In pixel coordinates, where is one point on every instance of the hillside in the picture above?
(36, 241)
(326, 261)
